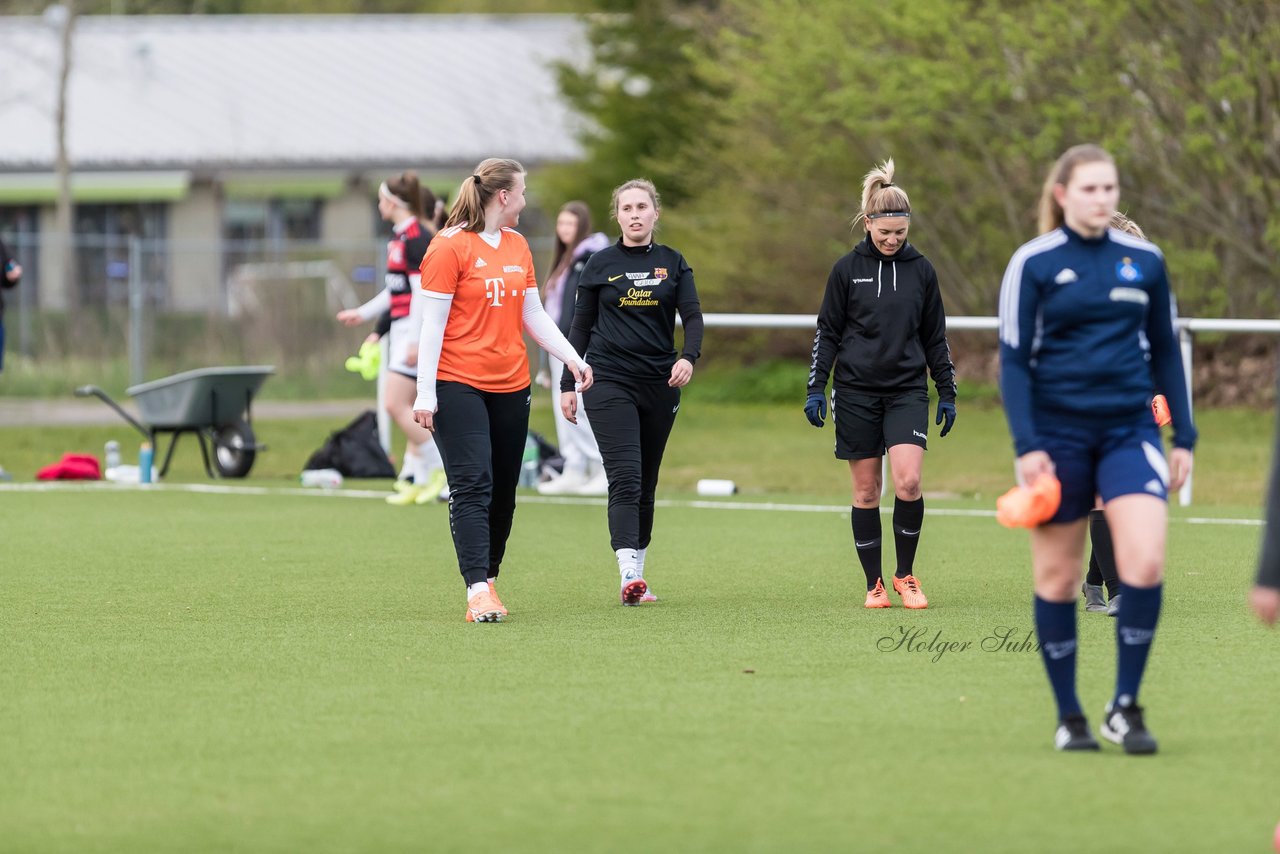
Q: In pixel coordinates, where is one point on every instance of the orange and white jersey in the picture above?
(483, 341)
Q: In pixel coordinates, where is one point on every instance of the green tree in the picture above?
(314, 7)
(786, 104)
(972, 103)
(643, 99)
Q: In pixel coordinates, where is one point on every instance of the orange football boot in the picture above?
(1030, 506)
(876, 597)
(909, 589)
(1160, 410)
(485, 608)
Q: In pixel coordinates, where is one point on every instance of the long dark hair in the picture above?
(562, 257)
(405, 188)
(433, 212)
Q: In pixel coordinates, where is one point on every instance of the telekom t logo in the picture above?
(494, 291)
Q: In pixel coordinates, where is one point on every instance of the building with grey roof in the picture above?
(206, 130)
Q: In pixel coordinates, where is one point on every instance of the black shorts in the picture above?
(868, 423)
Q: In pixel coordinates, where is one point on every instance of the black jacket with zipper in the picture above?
(882, 324)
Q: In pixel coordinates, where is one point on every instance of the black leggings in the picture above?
(631, 422)
(481, 436)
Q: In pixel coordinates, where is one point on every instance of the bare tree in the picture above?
(64, 17)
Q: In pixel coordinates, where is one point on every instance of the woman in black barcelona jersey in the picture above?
(624, 320)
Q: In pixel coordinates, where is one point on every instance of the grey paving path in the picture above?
(48, 412)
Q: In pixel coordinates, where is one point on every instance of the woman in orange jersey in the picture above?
(473, 370)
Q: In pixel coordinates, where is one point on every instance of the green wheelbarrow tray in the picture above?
(213, 403)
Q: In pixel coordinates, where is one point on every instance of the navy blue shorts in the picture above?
(1110, 462)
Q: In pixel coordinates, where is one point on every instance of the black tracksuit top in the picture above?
(624, 319)
(881, 325)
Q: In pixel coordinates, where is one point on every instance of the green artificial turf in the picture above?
(281, 672)
(766, 449)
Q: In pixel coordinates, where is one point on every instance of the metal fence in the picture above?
(149, 306)
(1187, 328)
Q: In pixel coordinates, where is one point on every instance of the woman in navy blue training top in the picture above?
(1086, 331)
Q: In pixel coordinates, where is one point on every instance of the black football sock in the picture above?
(1100, 533)
(907, 519)
(1095, 574)
(866, 541)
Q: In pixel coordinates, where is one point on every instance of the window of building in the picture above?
(263, 229)
(104, 237)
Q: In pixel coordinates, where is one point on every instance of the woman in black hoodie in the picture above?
(881, 326)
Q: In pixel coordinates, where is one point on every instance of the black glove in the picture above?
(947, 410)
(815, 408)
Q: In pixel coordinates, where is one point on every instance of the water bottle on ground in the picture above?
(111, 455)
(145, 458)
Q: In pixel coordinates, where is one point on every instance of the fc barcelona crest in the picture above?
(659, 272)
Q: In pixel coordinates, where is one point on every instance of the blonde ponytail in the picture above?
(880, 195)
(478, 188)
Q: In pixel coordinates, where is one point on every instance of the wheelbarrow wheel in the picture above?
(234, 449)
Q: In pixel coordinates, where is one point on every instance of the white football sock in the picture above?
(626, 561)
(422, 471)
(409, 467)
(478, 587)
(430, 454)
(640, 561)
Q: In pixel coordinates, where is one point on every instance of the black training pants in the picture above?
(631, 421)
(481, 436)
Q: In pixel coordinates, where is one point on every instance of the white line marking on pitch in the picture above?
(221, 489)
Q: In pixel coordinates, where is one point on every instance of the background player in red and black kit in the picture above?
(882, 324)
(625, 319)
(399, 202)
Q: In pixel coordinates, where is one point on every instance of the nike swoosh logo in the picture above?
(615, 278)
(859, 545)
(907, 533)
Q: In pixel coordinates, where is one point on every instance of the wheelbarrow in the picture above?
(213, 403)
